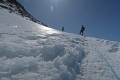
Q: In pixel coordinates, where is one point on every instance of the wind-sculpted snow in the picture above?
(42, 59)
(29, 51)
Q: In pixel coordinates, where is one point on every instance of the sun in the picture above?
(52, 3)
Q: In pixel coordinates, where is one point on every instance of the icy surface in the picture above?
(29, 51)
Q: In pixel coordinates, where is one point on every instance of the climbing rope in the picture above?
(106, 62)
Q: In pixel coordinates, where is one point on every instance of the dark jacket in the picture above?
(82, 28)
(62, 28)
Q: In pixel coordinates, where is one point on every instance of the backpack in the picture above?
(83, 28)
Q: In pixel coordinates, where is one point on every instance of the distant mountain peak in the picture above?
(15, 7)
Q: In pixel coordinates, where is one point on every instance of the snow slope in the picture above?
(29, 51)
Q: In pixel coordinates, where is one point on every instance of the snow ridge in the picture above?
(15, 7)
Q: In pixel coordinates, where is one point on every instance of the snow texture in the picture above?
(30, 51)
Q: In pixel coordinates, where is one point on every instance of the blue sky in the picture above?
(101, 18)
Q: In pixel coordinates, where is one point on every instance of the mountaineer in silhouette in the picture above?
(63, 28)
(82, 29)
